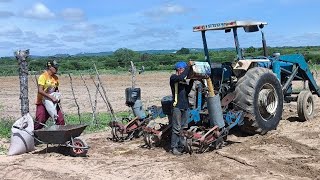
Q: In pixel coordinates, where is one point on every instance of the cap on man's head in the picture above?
(52, 63)
(180, 64)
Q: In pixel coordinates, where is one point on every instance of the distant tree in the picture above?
(251, 49)
(124, 56)
(183, 51)
(145, 57)
(193, 57)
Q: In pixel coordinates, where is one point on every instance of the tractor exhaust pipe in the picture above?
(214, 107)
(215, 111)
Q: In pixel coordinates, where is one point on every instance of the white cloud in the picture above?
(73, 14)
(80, 27)
(166, 10)
(73, 38)
(87, 29)
(153, 32)
(39, 11)
(55, 45)
(173, 9)
(5, 14)
(6, 44)
(10, 31)
(30, 36)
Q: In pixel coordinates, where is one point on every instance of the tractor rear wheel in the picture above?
(259, 93)
(305, 105)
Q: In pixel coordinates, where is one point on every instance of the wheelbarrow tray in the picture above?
(59, 134)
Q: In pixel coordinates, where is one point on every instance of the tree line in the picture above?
(120, 59)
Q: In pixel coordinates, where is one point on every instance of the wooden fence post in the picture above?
(21, 56)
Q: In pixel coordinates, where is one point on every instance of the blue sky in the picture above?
(47, 27)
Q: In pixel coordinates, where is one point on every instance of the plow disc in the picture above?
(117, 133)
(153, 136)
(204, 140)
(151, 140)
(133, 128)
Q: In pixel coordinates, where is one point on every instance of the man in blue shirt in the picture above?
(180, 90)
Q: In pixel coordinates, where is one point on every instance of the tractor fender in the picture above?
(242, 66)
(245, 64)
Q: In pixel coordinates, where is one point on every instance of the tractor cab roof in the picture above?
(249, 26)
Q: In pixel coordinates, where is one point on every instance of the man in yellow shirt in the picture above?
(47, 83)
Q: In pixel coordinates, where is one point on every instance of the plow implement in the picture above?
(153, 136)
(121, 131)
(203, 139)
(127, 129)
(200, 139)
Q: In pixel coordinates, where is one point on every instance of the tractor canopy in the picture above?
(248, 26)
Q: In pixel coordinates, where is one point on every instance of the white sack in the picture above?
(50, 106)
(21, 141)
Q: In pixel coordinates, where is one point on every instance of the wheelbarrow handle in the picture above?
(40, 123)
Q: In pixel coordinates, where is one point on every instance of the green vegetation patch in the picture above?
(5, 127)
(99, 124)
(119, 61)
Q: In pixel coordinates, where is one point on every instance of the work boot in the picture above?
(176, 152)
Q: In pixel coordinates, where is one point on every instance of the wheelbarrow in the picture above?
(66, 135)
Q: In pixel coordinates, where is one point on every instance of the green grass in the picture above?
(5, 127)
(315, 67)
(101, 124)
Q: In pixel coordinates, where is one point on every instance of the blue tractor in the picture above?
(258, 86)
(248, 93)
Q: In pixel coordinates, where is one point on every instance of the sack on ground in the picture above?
(22, 141)
(50, 106)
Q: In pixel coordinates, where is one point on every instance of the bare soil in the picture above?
(292, 151)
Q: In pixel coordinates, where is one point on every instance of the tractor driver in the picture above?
(47, 83)
(180, 90)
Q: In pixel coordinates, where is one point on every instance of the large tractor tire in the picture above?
(259, 94)
(305, 106)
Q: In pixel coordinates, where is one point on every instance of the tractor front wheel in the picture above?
(305, 105)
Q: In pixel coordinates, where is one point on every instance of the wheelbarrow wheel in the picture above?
(78, 152)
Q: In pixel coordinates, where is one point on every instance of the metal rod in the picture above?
(264, 45)
(289, 72)
(286, 85)
(236, 42)
(205, 47)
